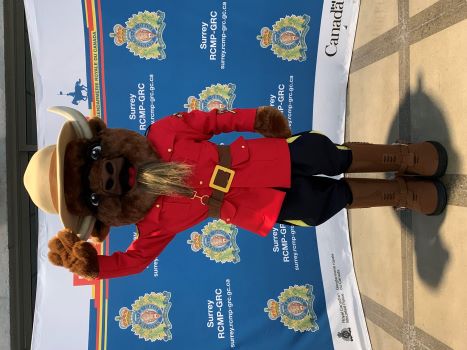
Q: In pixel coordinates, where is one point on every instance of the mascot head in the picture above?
(96, 177)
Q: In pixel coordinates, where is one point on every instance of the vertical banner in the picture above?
(216, 286)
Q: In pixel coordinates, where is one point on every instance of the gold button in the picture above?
(158, 205)
(169, 150)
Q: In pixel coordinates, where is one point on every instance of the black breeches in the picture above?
(312, 199)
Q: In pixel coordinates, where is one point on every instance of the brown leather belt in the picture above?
(221, 180)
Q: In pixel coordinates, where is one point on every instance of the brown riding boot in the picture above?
(425, 196)
(427, 158)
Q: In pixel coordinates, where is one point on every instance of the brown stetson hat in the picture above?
(43, 177)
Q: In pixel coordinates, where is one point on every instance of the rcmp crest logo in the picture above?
(345, 334)
(142, 35)
(295, 308)
(287, 37)
(218, 96)
(149, 317)
(218, 242)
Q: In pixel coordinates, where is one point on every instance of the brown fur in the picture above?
(82, 177)
(75, 168)
(271, 123)
(96, 125)
(100, 231)
(80, 257)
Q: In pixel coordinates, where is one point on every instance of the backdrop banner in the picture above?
(216, 286)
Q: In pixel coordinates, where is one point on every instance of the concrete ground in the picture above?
(408, 81)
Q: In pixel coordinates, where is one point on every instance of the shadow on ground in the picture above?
(425, 121)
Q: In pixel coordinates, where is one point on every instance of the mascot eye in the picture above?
(96, 152)
(94, 199)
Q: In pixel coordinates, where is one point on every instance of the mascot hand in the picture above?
(270, 122)
(80, 257)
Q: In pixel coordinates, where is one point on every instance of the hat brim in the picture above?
(81, 225)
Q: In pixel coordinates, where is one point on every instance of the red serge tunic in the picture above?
(252, 202)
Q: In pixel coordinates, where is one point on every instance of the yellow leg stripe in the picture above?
(297, 223)
(293, 138)
(344, 148)
(316, 132)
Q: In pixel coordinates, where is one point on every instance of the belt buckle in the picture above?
(226, 188)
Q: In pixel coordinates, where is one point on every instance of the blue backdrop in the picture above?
(149, 67)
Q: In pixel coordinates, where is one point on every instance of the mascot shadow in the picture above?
(426, 122)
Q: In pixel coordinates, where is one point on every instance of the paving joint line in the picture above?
(430, 21)
(394, 326)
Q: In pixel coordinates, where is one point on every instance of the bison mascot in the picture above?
(174, 177)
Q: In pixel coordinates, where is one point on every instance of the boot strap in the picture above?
(407, 197)
(407, 158)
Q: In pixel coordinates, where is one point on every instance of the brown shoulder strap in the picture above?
(221, 179)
